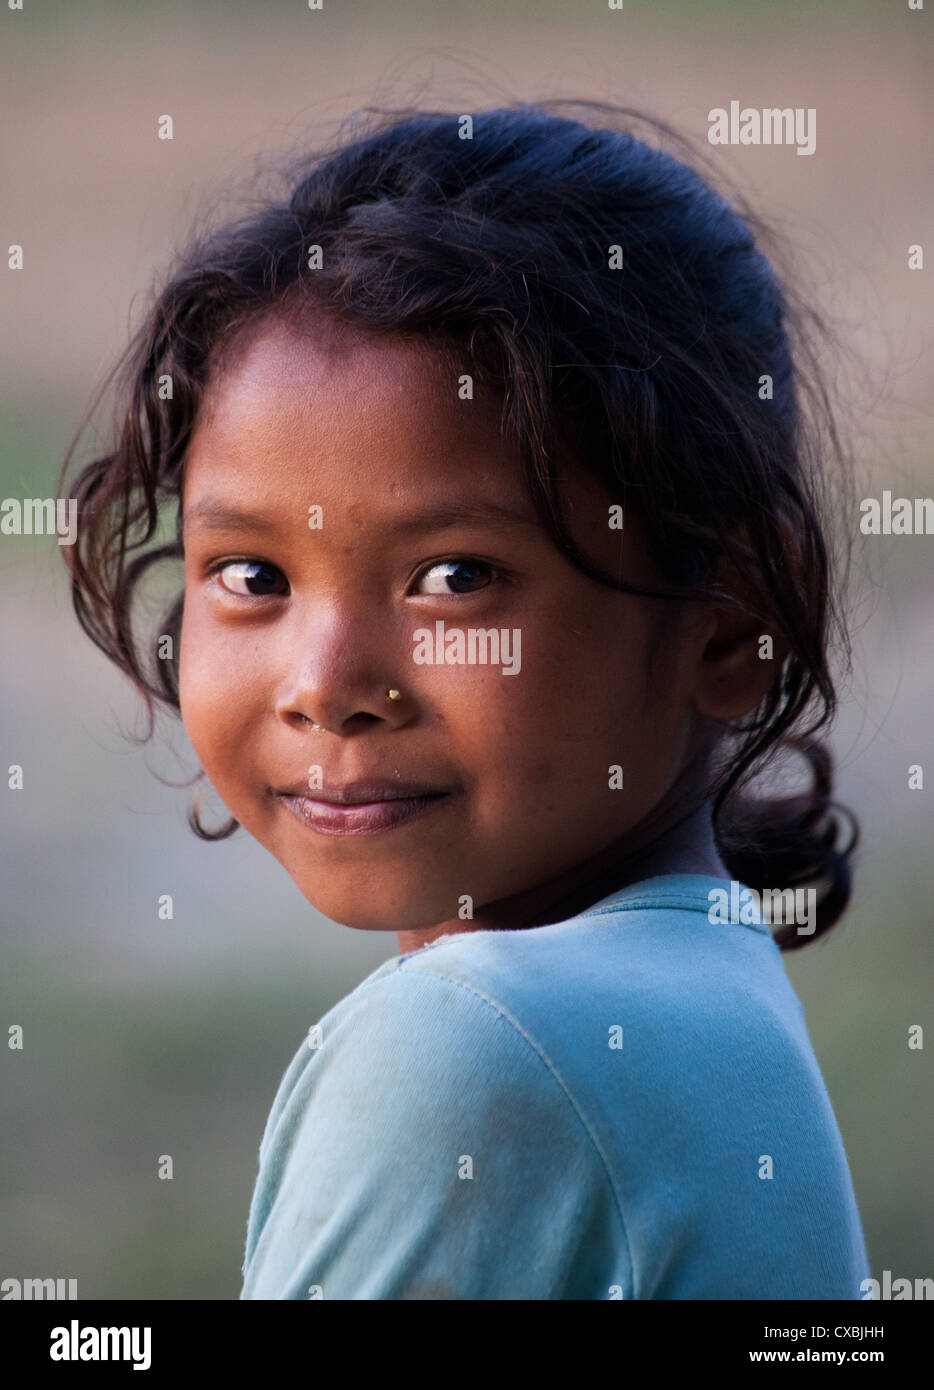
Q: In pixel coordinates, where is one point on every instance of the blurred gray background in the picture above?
(145, 1037)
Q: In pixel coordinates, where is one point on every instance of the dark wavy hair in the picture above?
(652, 376)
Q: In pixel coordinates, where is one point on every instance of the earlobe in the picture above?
(741, 651)
(739, 662)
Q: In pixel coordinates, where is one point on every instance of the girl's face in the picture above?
(297, 621)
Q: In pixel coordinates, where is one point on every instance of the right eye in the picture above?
(249, 573)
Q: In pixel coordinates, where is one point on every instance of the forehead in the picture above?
(320, 403)
(286, 363)
(364, 421)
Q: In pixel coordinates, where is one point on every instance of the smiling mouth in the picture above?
(361, 809)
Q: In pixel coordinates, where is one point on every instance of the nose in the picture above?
(342, 681)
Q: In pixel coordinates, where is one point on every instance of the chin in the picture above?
(362, 909)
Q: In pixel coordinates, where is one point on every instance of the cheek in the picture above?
(214, 693)
(544, 742)
(547, 731)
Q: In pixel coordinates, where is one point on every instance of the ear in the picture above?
(741, 655)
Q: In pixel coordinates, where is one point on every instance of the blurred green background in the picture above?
(145, 1037)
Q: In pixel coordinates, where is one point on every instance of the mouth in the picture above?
(362, 808)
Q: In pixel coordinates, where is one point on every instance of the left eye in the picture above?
(250, 573)
(455, 577)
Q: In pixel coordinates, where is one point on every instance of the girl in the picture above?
(504, 573)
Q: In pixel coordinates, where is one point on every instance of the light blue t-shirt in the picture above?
(622, 1105)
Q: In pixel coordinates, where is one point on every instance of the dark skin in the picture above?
(295, 674)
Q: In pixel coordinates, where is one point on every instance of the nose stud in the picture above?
(394, 694)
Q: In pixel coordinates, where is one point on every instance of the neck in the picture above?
(685, 847)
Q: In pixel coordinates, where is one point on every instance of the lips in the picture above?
(363, 808)
(356, 793)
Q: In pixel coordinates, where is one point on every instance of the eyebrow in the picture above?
(213, 516)
(210, 515)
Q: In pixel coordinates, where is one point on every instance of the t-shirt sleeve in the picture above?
(427, 1149)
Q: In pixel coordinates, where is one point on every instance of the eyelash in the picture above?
(465, 560)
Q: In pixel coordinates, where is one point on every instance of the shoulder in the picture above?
(622, 1013)
(651, 954)
(436, 1027)
(422, 1125)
